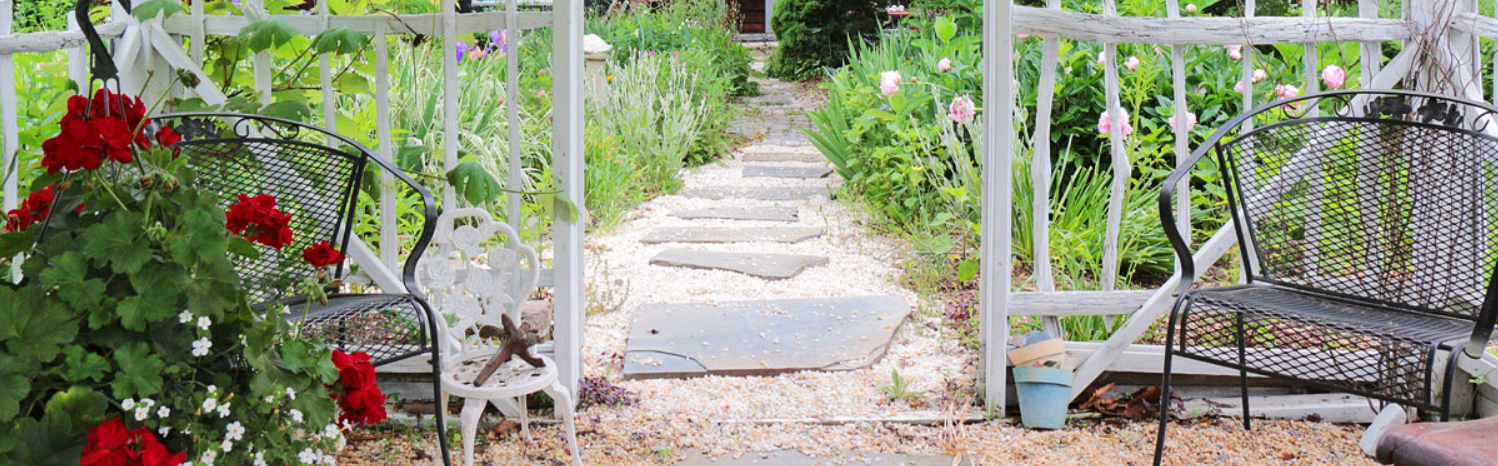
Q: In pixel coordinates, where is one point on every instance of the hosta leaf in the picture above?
(140, 371)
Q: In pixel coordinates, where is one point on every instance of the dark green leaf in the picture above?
(83, 405)
(14, 385)
(293, 109)
(140, 371)
(153, 8)
(243, 248)
(52, 441)
(68, 274)
(80, 365)
(119, 242)
(473, 183)
(266, 33)
(31, 326)
(339, 40)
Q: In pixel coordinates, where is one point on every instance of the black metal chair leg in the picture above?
(441, 410)
(1170, 333)
(1243, 372)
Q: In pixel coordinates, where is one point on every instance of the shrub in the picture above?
(814, 34)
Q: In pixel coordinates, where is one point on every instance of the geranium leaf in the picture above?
(118, 242)
(157, 290)
(199, 237)
(339, 40)
(31, 326)
(140, 371)
(13, 387)
(69, 273)
(80, 365)
(52, 441)
(473, 183)
(15, 243)
(80, 403)
(294, 110)
(243, 248)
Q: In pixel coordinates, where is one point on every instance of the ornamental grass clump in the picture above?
(130, 340)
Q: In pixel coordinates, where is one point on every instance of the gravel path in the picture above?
(710, 413)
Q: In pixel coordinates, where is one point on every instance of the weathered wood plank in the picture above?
(1203, 30)
(568, 164)
(1040, 173)
(9, 128)
(1120, 157)
(33, 42)
(998, 156)
(423, 24)
(1077, 303)
(1371, 51)
(1335, 408)
(389, 237)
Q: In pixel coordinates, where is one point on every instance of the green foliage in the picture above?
(157, 8)
(41, 15)
(104, 327)
(814, 34)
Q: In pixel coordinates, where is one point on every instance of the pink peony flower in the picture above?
(1132, 63)
(1285, 91)
(962, 110)
(1021, 36)
(889, 82)
(1333, 77)
(1105, 124)
(1238, 87)
(1260, 75)
(1100, 57)
(1235, 51)
(1190, 122)
(1191, 8)
(944, 65)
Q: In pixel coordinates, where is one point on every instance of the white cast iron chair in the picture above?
(471, 282)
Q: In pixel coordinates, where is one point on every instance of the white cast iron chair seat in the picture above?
(513, 379)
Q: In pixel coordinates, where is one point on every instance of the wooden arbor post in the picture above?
(998, 156)
(567, 159)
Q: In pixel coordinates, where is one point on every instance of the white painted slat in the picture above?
(449, 97)
(1328, 407)
(1311, 57)
(1203, 30)
(423, 24)
(33, 42)
(389, 235)
(77, 59)
(9, 128)
(1182, 132)
(1249, 10)
(1076, 303)
(1040, 173)
(998, 156)
(198, 35)
(325, 70)
(568, 163)
(1159, 303)
(1371, 51)
(512, 113)
(1120, 159)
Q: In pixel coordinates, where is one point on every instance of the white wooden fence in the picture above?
(154, 47)
(1452, 27)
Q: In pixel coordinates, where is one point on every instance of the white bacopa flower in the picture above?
(223, 410)
(208, 457)
(331, 431)
(185, 316)
(210, 404)
(269, 399)
(148, 402)
(163, 431)
(295, 415)
(234, 431)
(307, 456)
(212, 389)
(227, 446)
(128, 404)
(163, 412)
(291, 393)
(200, 347)
(142, 412)
(204, 322)
(260, 459)
(329, 460)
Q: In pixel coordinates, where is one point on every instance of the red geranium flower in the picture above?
(33, 210)
(258, 220)
(84, 144)
(109, 444)
(360, 400)
(322, 255)
(167, 137)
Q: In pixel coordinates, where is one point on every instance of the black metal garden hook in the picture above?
(102, 68)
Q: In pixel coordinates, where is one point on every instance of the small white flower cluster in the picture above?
(142, 408)
(201, 345)
(313, 457)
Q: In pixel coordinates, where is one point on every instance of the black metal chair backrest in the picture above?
(1390, 196)
(314, 183)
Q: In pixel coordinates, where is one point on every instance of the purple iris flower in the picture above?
(463, 49)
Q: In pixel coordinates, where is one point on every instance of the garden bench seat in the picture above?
(1368, 242)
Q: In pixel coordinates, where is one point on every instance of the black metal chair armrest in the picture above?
(428, 224)
(1180, 242)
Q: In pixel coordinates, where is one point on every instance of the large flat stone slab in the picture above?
(759, 193)
(786, 172)
(761, 337)
(766, 213)
(731, 235)
(758, 156)
(767, 266)
(694, 457)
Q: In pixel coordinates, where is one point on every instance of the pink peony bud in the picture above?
(1190, 122)
(1105, 124)
(1132, 63)
(1191, 8)
(1333, 77)
(1260, 75)
(944, 65)
(1235, 51)
(962, 110)
(1238, 87)
(1285, 91)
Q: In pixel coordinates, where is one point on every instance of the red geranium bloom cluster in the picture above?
(104, 127)
(322, 254)
(110, 444)
(33, 210)
(258, 220)
(361, 401)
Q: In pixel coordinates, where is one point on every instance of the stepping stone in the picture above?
(767, 266)
(812, 157)
(694, 457)
(787, 172)
(769, 213)
(759, 193)
(731, 235)
(757, 338)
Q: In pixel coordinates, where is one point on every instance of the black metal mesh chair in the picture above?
(1371, 236)
(315, 177)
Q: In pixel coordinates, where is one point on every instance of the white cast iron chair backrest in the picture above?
(476, 271)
